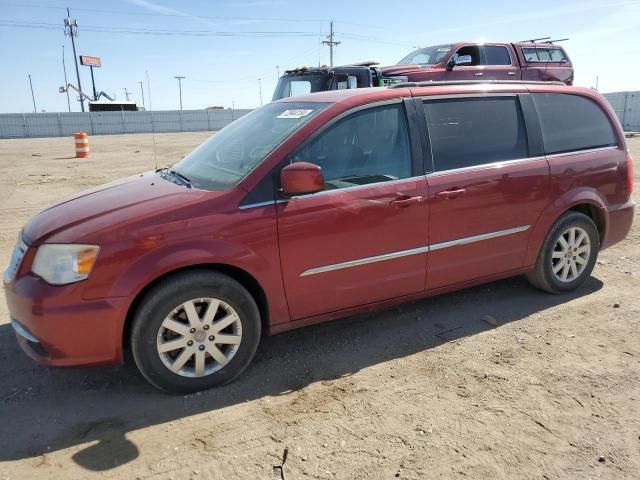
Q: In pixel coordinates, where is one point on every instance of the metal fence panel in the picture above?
(32, 125)
(627, 108)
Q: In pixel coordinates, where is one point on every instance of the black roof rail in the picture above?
(435, 83)
(534, 40)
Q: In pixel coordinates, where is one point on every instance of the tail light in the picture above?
(629, 160)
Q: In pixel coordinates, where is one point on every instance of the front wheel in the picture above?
(195, 331)
(568, 254)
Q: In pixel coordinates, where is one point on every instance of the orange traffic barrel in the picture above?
(82, 145)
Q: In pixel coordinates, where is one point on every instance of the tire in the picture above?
(554, 255)
(216, 352)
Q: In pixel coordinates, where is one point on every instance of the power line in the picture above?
(174, 15)
(145, 31)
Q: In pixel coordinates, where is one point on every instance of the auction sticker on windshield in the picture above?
(298, 113)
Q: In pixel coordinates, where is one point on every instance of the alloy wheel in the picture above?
(199, 337)
(570, 254)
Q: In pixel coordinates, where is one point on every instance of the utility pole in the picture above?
(331, 44)
(142, 92)
(35, 110)
(71, 29)
(66, 83)
(260, 89)
(180, 78)
(126, 93)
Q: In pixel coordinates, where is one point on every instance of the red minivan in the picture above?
(317, 207)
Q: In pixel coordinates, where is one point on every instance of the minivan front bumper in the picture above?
(56, 327)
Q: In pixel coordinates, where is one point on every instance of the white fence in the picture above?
(627, 108)
(31, 125)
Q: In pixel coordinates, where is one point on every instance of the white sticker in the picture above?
(294, 113)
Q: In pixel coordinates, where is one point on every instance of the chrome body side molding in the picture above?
(414, 251)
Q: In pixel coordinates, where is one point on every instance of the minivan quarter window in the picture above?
(367, 146)
(462, 137)
(572, 122)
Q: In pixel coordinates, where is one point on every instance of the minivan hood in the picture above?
(106, 206)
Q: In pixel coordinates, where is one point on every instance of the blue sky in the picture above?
(604, 41)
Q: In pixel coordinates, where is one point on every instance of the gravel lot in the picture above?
(428, 390)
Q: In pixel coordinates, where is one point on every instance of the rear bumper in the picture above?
(619, 224)
(56, 327)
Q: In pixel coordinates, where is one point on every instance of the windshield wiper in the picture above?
(166, 171)
(182, 177)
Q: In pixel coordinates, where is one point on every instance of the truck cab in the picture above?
(304, 80)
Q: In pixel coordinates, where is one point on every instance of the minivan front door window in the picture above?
(368, 146)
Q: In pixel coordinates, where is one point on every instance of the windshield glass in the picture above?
(426, 56)
(294, 85)
(226, 157)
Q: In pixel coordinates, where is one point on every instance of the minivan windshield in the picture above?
(426, 56)
(226, 157)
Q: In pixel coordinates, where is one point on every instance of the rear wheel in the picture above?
(568, 254)
(195, 331)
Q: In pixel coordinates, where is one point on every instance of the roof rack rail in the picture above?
(435, 83)
(534, 40)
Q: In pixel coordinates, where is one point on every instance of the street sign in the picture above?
(90, 61)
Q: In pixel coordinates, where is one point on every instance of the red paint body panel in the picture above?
(495, 198)
(147, 227)
(348, 225)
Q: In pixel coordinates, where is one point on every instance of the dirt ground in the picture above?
(428, 390)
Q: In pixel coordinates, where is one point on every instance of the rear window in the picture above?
(461, 135)
(572, 122)
(544, 55)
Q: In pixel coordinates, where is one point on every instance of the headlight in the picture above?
(60, 264)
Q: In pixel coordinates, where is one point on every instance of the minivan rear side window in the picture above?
(462, 135)
(572, 122)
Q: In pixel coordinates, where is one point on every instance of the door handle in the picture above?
(479, 74)
(451, 194)
(405, 201)
(511, 73)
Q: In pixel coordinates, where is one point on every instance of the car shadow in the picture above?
(45, 410)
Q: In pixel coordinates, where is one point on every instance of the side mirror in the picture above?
(301, 178)
(458, 61)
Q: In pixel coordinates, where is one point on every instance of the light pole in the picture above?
(142, 92)
(180, 78)
(260, 89)
(278, 70)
